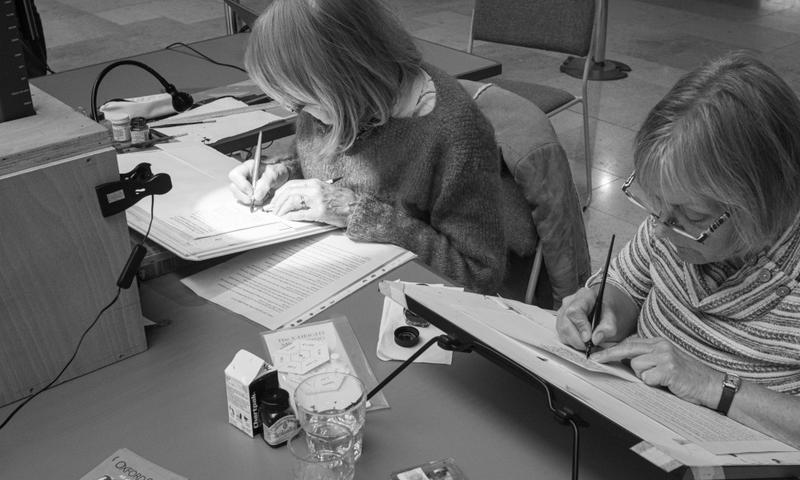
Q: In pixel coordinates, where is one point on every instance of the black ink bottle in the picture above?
(277, 419)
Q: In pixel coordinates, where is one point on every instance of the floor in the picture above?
(659, 39)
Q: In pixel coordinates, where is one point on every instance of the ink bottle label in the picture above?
(281, 431)
(120, 126)
(278, 422)
(140, 132)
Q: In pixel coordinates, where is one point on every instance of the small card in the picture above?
(126, 465)
(445, 469)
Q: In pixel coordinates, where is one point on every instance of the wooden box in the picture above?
(59, 257)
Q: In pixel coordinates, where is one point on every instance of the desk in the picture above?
(191, 73)
(168, 405)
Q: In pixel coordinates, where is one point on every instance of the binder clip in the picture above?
(115, 197)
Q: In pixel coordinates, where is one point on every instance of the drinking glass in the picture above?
(321, 458)
(327, 401)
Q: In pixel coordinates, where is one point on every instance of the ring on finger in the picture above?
(303, 203)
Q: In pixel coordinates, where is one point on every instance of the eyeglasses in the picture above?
(671, 224)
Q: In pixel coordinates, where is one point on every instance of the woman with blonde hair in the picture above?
(415, 161)
(705, 299)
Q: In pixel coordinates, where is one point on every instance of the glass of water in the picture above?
(328, 401)
(321, 458)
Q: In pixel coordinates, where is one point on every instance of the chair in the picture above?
(531, 151)
(239, 17)
(564, 26)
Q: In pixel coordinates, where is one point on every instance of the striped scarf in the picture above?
(743, 320)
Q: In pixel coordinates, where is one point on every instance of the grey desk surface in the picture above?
(191, 73)
(168, 404)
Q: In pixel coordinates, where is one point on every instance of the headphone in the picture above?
(180, 100)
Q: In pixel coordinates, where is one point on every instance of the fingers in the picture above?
(241, 182)
(629, 348)
(606, 327)
(572, 323)
(240, 178)
(297, 195)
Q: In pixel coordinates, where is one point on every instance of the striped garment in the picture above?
(744, 321)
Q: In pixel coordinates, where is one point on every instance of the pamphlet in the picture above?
(320, 347)
(126, 465)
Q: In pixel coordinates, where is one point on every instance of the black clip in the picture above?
(115, 197)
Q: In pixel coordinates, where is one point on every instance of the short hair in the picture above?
(727, 134)
(352, 57)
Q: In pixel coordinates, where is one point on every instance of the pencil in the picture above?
(254, 174)
(180, 124)
(594, 315)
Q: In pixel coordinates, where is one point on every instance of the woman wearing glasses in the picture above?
(705, 299)
(416, 160)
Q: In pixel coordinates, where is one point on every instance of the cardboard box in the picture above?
(244, 376)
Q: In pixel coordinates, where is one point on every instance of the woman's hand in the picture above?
(314, 200)
(273, 176)
(574, 326)
(658, 363)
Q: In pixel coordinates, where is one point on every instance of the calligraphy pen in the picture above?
(594, 315)
(254, 176)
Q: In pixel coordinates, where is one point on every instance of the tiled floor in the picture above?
(659, 39)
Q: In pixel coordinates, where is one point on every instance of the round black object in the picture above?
(275, 399)
(406, 336)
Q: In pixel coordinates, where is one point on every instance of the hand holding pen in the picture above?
(597, 309)
(253, 181)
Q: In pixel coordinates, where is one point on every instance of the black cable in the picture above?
(204, 56)
(74, 354)
(83, 335)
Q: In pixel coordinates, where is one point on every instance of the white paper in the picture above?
(278, 285)
(692, 434)
(222, 127)
(392, 317)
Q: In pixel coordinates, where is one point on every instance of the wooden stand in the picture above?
(60, 258)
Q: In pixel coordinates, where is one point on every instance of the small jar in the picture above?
(140, 132)
(414, 320)
(120, 126)
(278, 422)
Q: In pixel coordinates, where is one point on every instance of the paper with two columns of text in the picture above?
(289, 283)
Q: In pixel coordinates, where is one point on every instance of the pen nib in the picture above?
(252, 206)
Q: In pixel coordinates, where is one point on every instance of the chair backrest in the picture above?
(245, 14)
(557, 25)
(537, 161)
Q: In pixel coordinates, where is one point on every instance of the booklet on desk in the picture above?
(199, 218)
(124, 465)
(525, 334)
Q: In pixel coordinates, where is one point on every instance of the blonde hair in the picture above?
(728, 135)
(350, 57)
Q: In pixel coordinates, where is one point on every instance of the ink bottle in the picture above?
(120, 126)
(140, 132)
(278, 422)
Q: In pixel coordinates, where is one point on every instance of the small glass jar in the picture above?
(140, 132)
(120, 126)
(278, 422)
(414, 320)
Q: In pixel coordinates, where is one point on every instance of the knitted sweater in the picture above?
(432, 184)
(744, 321)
